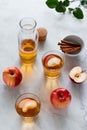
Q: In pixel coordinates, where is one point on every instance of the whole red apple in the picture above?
(60, 98)
(12, 76)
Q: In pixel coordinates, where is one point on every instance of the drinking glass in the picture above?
(52, 64)
(28, 105)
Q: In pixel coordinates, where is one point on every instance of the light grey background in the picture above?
(58, 26)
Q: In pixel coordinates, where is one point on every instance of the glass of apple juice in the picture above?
(52, 64)
(28, 105)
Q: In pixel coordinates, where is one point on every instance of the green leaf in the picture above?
(83, 2)
(60, 7)
(66, 3)
(78, 13)
(70, 10)
(51, 3)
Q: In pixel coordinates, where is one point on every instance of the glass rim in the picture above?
(59, 53)
(24, 94)
(55, 52)
(27, 18)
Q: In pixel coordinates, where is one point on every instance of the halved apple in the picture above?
(77, 74)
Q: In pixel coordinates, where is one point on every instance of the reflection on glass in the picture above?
(51, 84)
(28, 124)
(28, 70)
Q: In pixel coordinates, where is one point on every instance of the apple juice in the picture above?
(52, 65)
(27, 107)
(28, 51)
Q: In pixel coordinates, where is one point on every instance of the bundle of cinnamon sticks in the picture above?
(69, 47)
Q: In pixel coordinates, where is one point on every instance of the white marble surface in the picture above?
(58, 26)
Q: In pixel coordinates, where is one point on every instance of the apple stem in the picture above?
(11, 72)
(61, 95)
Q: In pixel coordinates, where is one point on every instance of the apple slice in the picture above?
(77, 75)
(27, 104)
(20, 105)
(54, 61)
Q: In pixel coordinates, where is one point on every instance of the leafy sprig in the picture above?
(62, 6)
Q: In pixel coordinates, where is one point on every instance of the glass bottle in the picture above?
(28, 40)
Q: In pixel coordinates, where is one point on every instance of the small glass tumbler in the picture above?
(28, 105)
(28, 40)
(52, 64)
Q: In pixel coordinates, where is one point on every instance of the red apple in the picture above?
(60, 98)
(12, 76)
(77, 74)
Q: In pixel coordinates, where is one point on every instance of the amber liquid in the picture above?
(52, 65)
(28, 107)
(28, 51)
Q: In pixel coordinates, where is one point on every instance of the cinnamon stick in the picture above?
(68, 46)
(70, 50)
(70, 43)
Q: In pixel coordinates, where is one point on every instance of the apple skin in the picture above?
(75, 81)
(77, 75)
(60, 98)
(12, 76)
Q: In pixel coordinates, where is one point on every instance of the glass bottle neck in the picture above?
(28, 30)
(28, 25)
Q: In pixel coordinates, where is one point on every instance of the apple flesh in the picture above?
(27, 104)
(77, 74)
(12, 76)
(60, 98)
